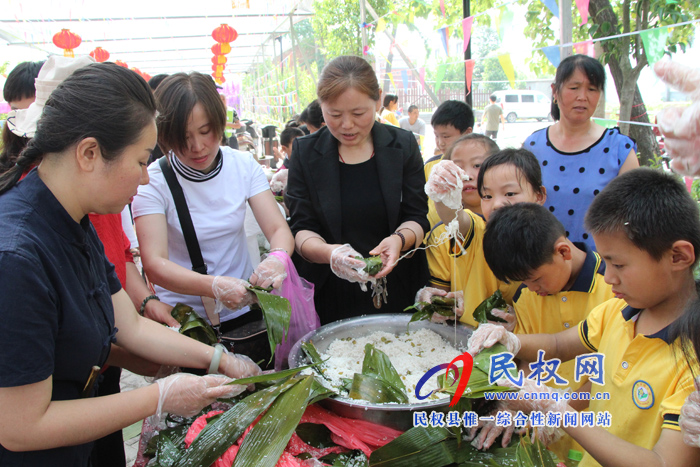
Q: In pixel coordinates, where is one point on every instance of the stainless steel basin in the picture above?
(398, 416)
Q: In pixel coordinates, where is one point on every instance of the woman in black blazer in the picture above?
(356, 188)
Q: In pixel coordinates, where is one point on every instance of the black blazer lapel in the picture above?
(325, 173)
(390, 170)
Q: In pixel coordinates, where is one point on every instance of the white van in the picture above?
(524, 104)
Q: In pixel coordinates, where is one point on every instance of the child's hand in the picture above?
(488, 335)
(508, 315)
(690, 418)
(489, 431)
(445, 184)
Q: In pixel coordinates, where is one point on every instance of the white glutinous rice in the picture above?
(412, 354)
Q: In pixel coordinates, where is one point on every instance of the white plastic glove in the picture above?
(555, 402)
(489, 431)
(487, 335)
(427, 293)
(186, 394)
(681, 125)
(237, 366)
(690, 418)
(445, 184)
(279, 181)
(231, 293)
(346, 266)
(270, 272)
(508, 315)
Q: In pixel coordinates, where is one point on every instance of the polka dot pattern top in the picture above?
(573, 179)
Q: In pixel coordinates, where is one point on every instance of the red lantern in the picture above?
(220, 80)
(122, 64)
(100, 54)
(220, 49)
(67, 41)
(224, 34)
(219, 59)
(218, 68)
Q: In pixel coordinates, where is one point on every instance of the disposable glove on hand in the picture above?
(347, 267)
(231, 293)
(487, 335)
(279, 181)
(508, 315)
(445, 184)
(270, 272)
(488, 430)
(426, 294)
(184, 394)
(681, 125)
(690, 418)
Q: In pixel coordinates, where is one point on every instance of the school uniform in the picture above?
(647, 379)
(564, 310)
(465, 268)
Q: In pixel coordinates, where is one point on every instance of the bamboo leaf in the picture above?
(263, 446)
(373, 264)
(217, 437)
(482, 313)
(192, 325)
(276, 312)
(318, 436)
(531, 453)
(378, 364)
(375, 390)
(408, 444)
(278, 375)
(311, 353)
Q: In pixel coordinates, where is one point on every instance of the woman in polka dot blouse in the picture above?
(578, 157)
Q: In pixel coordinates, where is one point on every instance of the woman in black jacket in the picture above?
(356, 188)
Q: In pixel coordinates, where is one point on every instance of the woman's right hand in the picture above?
(445, 184)
(185, 394)
(231, 293)
(344, 264)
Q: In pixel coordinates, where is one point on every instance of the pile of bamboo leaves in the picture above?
(445, 307)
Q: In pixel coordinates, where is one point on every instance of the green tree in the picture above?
(625, 56)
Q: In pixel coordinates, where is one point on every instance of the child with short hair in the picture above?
(451, 120)
(562, 281)
(647, 229)
(506, 177)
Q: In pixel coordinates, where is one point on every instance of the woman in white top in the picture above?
(217, 182)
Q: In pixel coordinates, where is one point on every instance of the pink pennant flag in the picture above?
(582, 6)
(468, 72)
(421, 76)
(442, 7)
(585, 48)
(467, 30)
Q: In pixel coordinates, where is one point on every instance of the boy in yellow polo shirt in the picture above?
(562, 282)
(647, 229)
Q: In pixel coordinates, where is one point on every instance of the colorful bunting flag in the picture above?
(582, 6)
(654, 41)
(468, 72)
(365, 50)
(411, 17)
(440, 76)
(442, 7)
(467, 31)
(404, 79)
(444, 37)
(391, 78)
(553, 6)
(421, 76)
(381, 25)
(508, 69)
(553, 54)
(505, 23)
(585, 48)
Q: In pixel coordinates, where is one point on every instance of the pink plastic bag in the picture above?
(300, 294)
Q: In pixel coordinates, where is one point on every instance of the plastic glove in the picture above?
(238, 366)
(555, 402)
(487, 335)
(185, 394)
(346, 266)
(681, 125)
(489, 431)
(445, 184)
(278, 183)
(690, 418)
(270, 272)
(389, 249)
(427, 293)
(231, 293)
(508, 315)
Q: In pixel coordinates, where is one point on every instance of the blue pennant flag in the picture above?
(553, 6)
(553, 55)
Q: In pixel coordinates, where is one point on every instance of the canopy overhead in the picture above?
(154, 36)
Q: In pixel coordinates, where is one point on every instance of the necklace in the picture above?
(343, 160)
